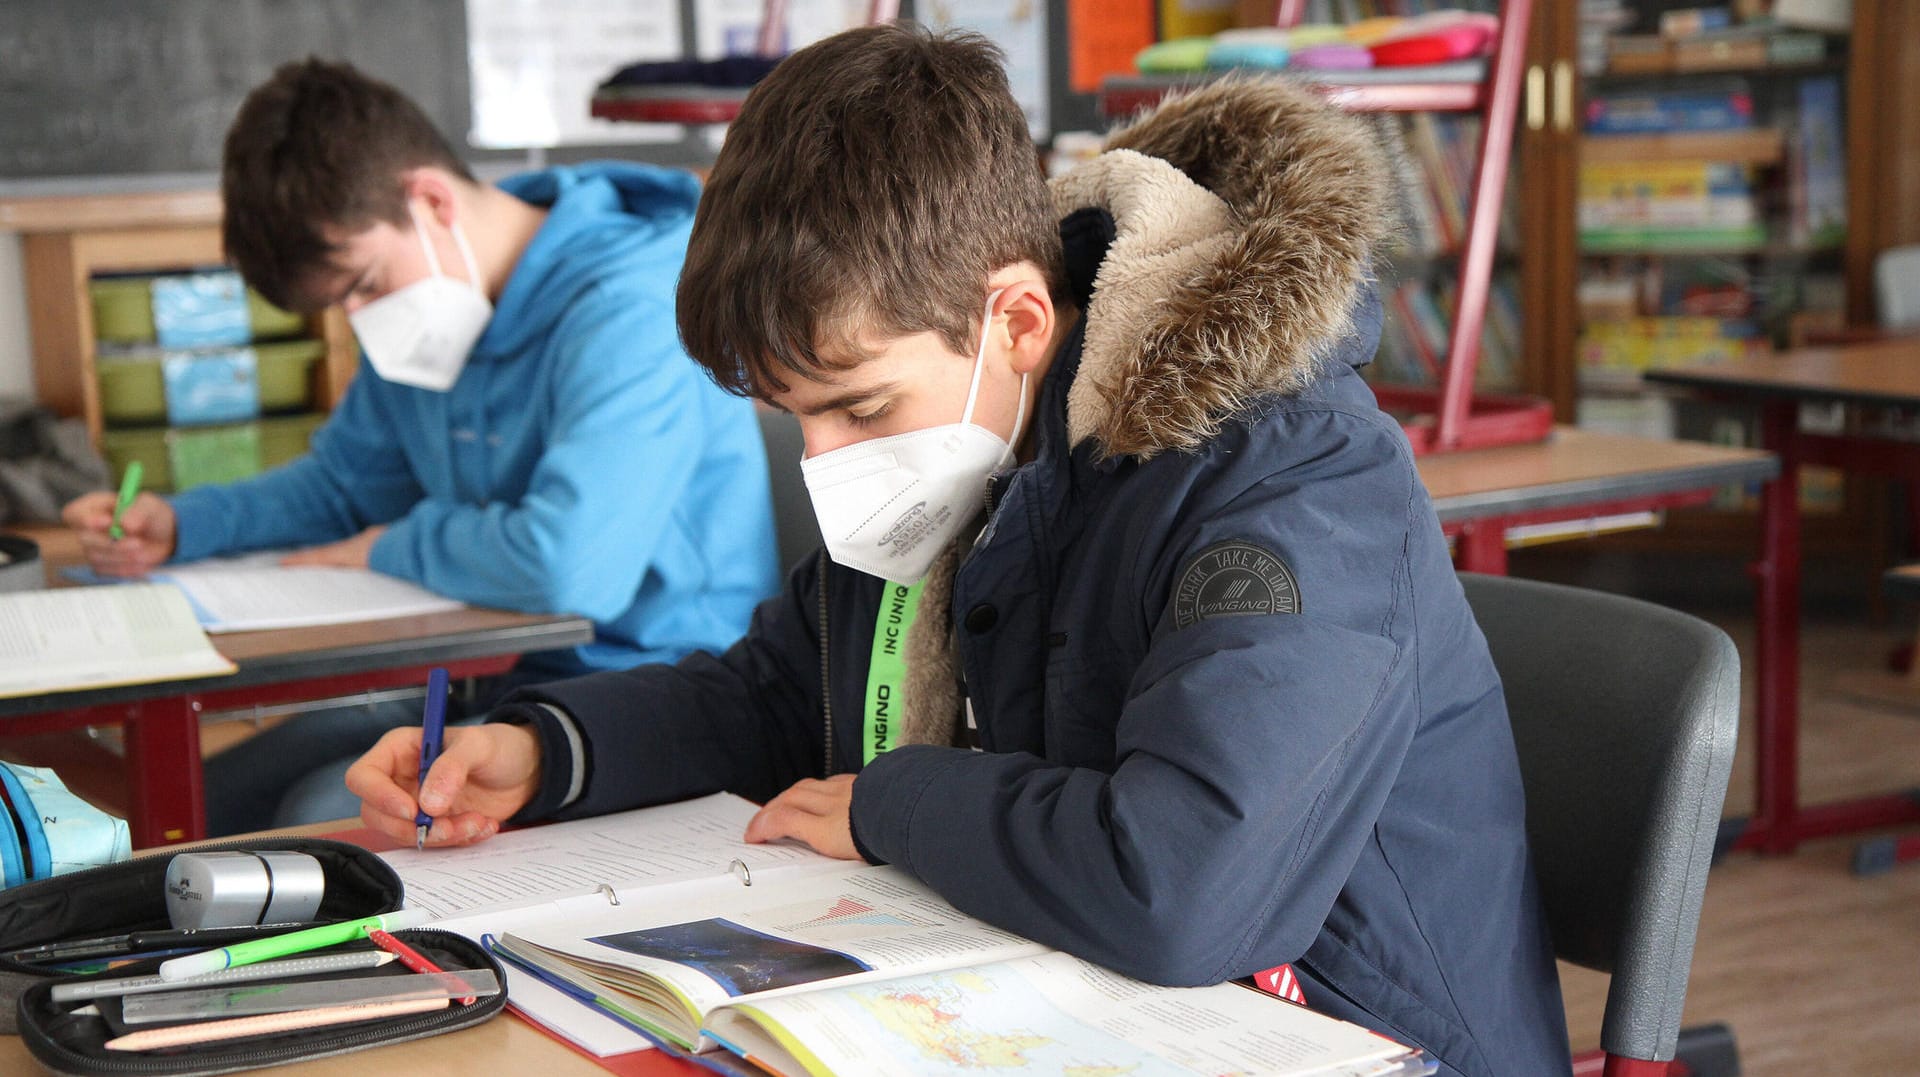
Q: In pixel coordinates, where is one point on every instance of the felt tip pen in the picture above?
(129, 487)
(313, 938)
(433, 728)
(117, 945)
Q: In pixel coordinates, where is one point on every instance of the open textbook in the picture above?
(674, 928)
(255, 591)
(70, 638)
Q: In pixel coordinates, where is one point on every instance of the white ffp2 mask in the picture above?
(887, 507)
(421, 334)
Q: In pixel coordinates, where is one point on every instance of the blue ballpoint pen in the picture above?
(433, 726)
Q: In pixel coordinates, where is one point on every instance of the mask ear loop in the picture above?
(420, 231)
(980, 359)
(466, 255)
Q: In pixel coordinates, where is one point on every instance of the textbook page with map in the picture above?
(864, 970)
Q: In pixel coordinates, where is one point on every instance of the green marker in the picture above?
(129, 486)
(294, 942)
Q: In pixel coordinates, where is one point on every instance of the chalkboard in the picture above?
(118, 87)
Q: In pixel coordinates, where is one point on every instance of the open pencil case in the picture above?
(128, 896)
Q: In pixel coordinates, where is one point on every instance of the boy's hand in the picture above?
(816, 812)
(484, 774)
(146, 528)
(347, 553)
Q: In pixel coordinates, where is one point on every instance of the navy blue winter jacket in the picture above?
(1233, 708)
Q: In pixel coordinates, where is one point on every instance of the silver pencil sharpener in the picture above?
(241, 889)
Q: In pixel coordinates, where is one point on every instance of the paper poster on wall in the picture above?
(732, 27)
(1019, 27)
(535, 63)
(1103, 37)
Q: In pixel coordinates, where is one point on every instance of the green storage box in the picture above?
(133, 386)
(123, 312)
(286, 373)
(204, 455)
(269, 321)
(149, 446)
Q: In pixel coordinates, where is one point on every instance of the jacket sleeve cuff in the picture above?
(198, 530)
(563, 763)
(886, 794)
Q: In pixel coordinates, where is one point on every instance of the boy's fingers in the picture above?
(462, 829)
(375, 777)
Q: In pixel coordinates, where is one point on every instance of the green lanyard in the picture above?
(887, 673)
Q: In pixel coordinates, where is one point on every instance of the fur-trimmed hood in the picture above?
(1246, 216)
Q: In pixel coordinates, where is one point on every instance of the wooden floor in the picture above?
(1817, 971)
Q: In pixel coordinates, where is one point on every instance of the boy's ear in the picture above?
(434, 187)
(1029, 312)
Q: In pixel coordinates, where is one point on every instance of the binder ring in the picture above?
(612, 898)
(739, 867)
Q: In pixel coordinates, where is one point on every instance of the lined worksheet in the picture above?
(255, 591)
(71, 638)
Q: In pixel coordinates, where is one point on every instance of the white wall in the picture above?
(16, 361)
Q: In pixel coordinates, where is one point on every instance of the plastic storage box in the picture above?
(133, 387)
(123, 312)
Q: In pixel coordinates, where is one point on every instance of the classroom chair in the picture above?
(1624, 714)
(794, 525)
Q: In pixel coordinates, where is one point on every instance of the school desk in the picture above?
(1572, 476)
(1868, 380)
(161, 722)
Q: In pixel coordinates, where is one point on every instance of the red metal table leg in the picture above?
(1481, 546)
(1777, 651)
(166, 800)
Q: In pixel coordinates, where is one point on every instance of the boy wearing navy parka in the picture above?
(1189, 688)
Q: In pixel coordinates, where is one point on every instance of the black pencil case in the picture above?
(124, 897)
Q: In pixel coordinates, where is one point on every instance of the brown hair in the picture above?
(318, 145)
(873, 181)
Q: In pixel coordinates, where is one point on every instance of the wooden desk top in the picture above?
(288, 654)
(1880, 372)
(1580, 467)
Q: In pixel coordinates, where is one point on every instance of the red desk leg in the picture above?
(1777, 709)
(1481, 546)
(166, 798)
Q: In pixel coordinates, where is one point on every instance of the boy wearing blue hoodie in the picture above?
(525, 431)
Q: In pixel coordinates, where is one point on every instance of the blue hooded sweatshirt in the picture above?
(582, 463)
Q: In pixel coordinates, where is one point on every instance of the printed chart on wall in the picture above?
(1019, 27)
(535, 64)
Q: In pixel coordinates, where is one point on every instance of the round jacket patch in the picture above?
(1234, 579)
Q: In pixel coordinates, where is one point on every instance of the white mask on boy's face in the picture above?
(421, 334)
(888, 506)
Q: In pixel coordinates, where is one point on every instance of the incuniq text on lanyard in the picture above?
(887, 672)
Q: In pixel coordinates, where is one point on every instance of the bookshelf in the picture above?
(1776, 190)
(70, 246)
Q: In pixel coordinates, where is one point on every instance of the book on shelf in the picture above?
(1727, 106)
(661, 924)
(1629, 205)
(1817, 165)
(71, 638)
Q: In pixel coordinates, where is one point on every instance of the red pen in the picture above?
(410, 957)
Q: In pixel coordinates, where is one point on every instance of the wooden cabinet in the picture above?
(68, 241)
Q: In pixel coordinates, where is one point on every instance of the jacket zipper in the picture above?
(826, 682)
